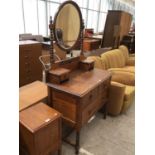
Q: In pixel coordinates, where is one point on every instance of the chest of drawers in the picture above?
(80, 98)
(30, 68)
(40, 130)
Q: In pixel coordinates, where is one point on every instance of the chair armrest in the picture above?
(132, 55)
(116, 98)
(131, 61)
(124, 77)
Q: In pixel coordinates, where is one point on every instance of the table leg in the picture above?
(59, 152)
(105, 111)
(77, 145)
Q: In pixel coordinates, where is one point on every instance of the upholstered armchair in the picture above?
(120, 98)
(122, 88)
(130, 58)
(118, 60)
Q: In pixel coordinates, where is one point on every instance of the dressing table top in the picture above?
(81, 82)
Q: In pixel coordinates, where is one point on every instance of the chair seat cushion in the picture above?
(129, 68)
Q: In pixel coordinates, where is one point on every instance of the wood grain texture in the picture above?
(30, 68)
(81, 82)
(40, 129)
(31, 94)
(115, 19)
(81, 97)
(91, 44)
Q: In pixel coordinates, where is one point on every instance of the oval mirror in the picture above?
(67, 25)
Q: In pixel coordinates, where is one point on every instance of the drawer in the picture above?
(59, 96)
(90, 97)
(68, 110)
(65, 104)
(89, 111)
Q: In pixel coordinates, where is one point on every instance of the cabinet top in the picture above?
(37, 116)
(27, 42)
(81, 82)
(31, 93)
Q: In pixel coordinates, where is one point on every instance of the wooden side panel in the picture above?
(40, 130)
(26, 139)
(47, 140)
(113, 18)
(119, 19)
(125, 24)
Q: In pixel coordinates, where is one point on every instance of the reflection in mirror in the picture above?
(67, 26)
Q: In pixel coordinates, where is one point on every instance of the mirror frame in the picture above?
(68, 49)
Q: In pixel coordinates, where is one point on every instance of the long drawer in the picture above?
(100, 92)
(65, 104)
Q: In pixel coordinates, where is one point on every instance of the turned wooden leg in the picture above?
(77, 145)
(105, 111)
(59, 152)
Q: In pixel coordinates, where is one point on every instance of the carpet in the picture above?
(110, 136)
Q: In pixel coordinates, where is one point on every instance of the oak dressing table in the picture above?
(75, 88)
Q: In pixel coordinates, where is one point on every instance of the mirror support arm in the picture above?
(82, 28)
(51, 39)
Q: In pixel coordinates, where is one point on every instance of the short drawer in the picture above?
(68, 110)
(90, 97)
(89, 111)
(63, 97)
(65, 104)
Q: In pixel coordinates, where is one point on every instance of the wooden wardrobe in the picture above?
(117, 25)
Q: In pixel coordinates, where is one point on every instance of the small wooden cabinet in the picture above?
(30, 68)
(31, 94)
(40, 130)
